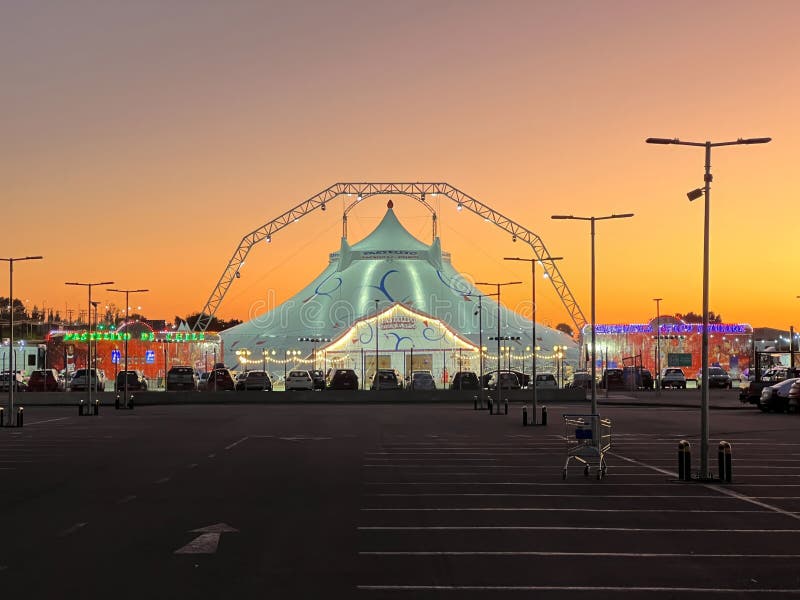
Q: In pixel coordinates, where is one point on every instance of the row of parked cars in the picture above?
(776, 390)
(639, 378)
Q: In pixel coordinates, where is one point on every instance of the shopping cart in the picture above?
(588, 439)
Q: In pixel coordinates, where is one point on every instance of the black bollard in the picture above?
(130, 402)
(80, 408)
(2, 420)
(475, 403)
(116, 402)
(544, 415)
(724, 461)
(505, 407)
(96, 407)
(524, 415)
(684, 461)
(20, 417)
(489, 404)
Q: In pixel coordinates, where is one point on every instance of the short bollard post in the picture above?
(130, 402)
(684, 461)
(524, 415)
(20, 417)
(80, 408)
(475, 403)
(724, 461)
(489, 403)
(116, 402)
(505, 405)
(2, 420)
(96, 407)
(544, 415)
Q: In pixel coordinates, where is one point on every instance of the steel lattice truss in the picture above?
(366, 190)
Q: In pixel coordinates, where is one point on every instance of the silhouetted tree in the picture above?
(565, 328)
(692, 317)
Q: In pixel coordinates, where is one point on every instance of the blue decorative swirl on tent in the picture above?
(318, 290)
(398, 339)
(455, 284)
(371, 334)
(382, 286)
(430, 337)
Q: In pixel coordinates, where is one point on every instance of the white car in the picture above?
(299, 380)
(776, 396)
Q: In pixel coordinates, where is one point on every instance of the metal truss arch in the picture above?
(416, 190)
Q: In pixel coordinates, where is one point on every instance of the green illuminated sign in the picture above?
(96, 337)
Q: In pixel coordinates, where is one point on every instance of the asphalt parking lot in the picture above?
(391, 501)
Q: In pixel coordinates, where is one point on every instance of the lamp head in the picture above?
(695, 194)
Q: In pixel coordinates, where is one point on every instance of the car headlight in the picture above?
(766, 393)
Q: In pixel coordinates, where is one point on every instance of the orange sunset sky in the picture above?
(142, 140)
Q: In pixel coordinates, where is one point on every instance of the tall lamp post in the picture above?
(594, 323)
(375, 379)
(533, 323)
(89, 384)
(479, 312)
(658, 345)
(498, 286)
(12, 379)
(127, 335)
(694, 195)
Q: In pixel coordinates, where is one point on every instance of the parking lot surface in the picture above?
(391, 501)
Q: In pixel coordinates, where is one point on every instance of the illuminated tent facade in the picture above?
(393, 275)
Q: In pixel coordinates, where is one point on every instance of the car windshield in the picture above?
(298, 374)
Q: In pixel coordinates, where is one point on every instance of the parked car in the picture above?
(505, 380)
(546, 380)
(319, 379)
(387, 380)
(673, 377)
(44, 380)
(752, 391)
(254, 380)
(298, 380)
(776, 397)
(581, 379)
(717, 377)
(465, 380)
(137, 382)
(220, 380)
(637, 378)
(6, 377)
(422, 380)
(80, 382)
(181, 378)
(613, 379)
(793, 400)
(342, 379)
(523, 379)
(202, 381)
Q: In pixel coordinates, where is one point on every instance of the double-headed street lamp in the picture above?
(694, 195)
(89, 383)
(315, 341)
(479, 312)
(12, 376)
(533, 262)
(127, 335)
(498, 286)
(594, 324)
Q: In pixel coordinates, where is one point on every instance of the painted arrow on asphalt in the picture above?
(300, 438)
(207, 541)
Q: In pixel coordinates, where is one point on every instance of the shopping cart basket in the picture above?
(588, 439)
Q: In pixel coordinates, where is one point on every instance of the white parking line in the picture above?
(570, 554)
(237, 442)
(575, 510)
(581, 496)
(71, 530)
(551, 588)
(561, 528)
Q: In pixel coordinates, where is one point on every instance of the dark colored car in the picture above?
(507, 380)
(637, 378)
(5, 377)
(523, 379)
(387, 380)
(318, 378)
(137, 382)
(342, 379)
(254, 380)
(718, 377)
(465, 380)
(613, 379)
(181, 378)
(220, 380)
(44, 380)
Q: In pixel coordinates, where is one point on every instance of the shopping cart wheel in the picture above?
(586, 470)
(563, 473)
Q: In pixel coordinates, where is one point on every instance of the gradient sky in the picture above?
(142, 140)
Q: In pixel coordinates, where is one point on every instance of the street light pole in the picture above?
(594, 322)
(694, 195)
(89, 338)
(375, 379)
(12, 378)
(127, 335)
(498, 286)
(533, 324)
(658, 345)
